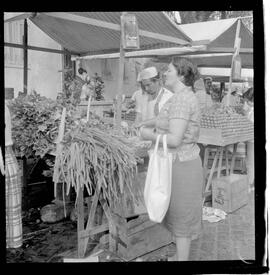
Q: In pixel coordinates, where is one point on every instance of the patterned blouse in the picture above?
(184, 105)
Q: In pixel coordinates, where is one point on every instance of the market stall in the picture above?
(99, 35)
(226, 42)
(95, 32)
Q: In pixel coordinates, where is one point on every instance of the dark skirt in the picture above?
(184, 216)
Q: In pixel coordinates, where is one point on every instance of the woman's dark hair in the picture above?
(81, 71)
(187, 69)
(249, 94)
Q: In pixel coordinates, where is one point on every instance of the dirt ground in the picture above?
(44, 242)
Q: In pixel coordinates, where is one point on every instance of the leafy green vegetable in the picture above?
(35, 122)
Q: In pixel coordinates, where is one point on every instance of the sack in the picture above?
(157, 190)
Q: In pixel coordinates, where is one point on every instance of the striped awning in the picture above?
(99, 32)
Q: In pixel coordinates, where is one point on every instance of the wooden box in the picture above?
(229, 193)
(140, 236)
(215, 137)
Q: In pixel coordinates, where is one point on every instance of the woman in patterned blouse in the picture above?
(179, 119)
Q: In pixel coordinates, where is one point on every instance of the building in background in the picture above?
(108, 70)
(44, 68)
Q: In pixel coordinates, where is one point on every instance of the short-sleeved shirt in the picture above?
(182, 105)
(166, 94)
(141, 99)
(234, 100)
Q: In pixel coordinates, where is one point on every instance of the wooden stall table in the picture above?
(131, 233)
(213, 141)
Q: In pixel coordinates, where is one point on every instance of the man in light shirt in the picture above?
(157, 94)
(234, 98)
(140, 97)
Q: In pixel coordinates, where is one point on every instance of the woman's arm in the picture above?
(146, 123)
(177, 128)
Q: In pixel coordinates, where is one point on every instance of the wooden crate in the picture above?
(214, 136)
(229, 193)
(140, 236)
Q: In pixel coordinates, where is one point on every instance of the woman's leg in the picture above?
(182, 248)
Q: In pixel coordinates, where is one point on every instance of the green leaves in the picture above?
(35, 122)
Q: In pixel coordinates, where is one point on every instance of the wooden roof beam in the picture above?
(229, 49)
(41, 49)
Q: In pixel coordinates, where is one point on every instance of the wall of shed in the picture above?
(108, 70)
(43, 67)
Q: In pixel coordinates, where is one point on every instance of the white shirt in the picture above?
(141, 100)
(8, 139)
(249, 112)
(151, 104)
(234, 100)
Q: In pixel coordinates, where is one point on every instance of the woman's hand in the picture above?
(138, 124)
(147, 134)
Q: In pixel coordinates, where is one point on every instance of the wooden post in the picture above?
(25, 57)
(80, 221)
(120, 81)
(236, 51)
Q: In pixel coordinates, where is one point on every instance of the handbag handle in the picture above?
(157, 142)
(165, 147)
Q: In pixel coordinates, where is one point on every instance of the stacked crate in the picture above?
(223, 125)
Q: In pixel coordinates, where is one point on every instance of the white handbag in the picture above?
(157, 189)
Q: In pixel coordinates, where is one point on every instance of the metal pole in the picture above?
(25, 57)
(236, 51)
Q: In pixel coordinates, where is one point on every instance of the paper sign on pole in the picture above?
(129, 28)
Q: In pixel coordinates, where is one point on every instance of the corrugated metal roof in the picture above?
(83, 38)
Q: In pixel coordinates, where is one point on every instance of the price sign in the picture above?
(130, 31)
(236, 68)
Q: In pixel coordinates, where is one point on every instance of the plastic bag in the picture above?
(157, 190)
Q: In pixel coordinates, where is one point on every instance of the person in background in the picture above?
(205, 99)
(86, 91)
(157, 95)
(139, 101)
(249, 112)
(234, 98)
(13, 186)
(215, 94)
(179, 119)
(208, 84)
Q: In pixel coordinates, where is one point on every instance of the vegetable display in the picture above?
(35, 122)
(226, 118)
(94, 155)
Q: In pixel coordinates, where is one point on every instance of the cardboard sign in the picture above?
(236, 68)
(130, 31)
